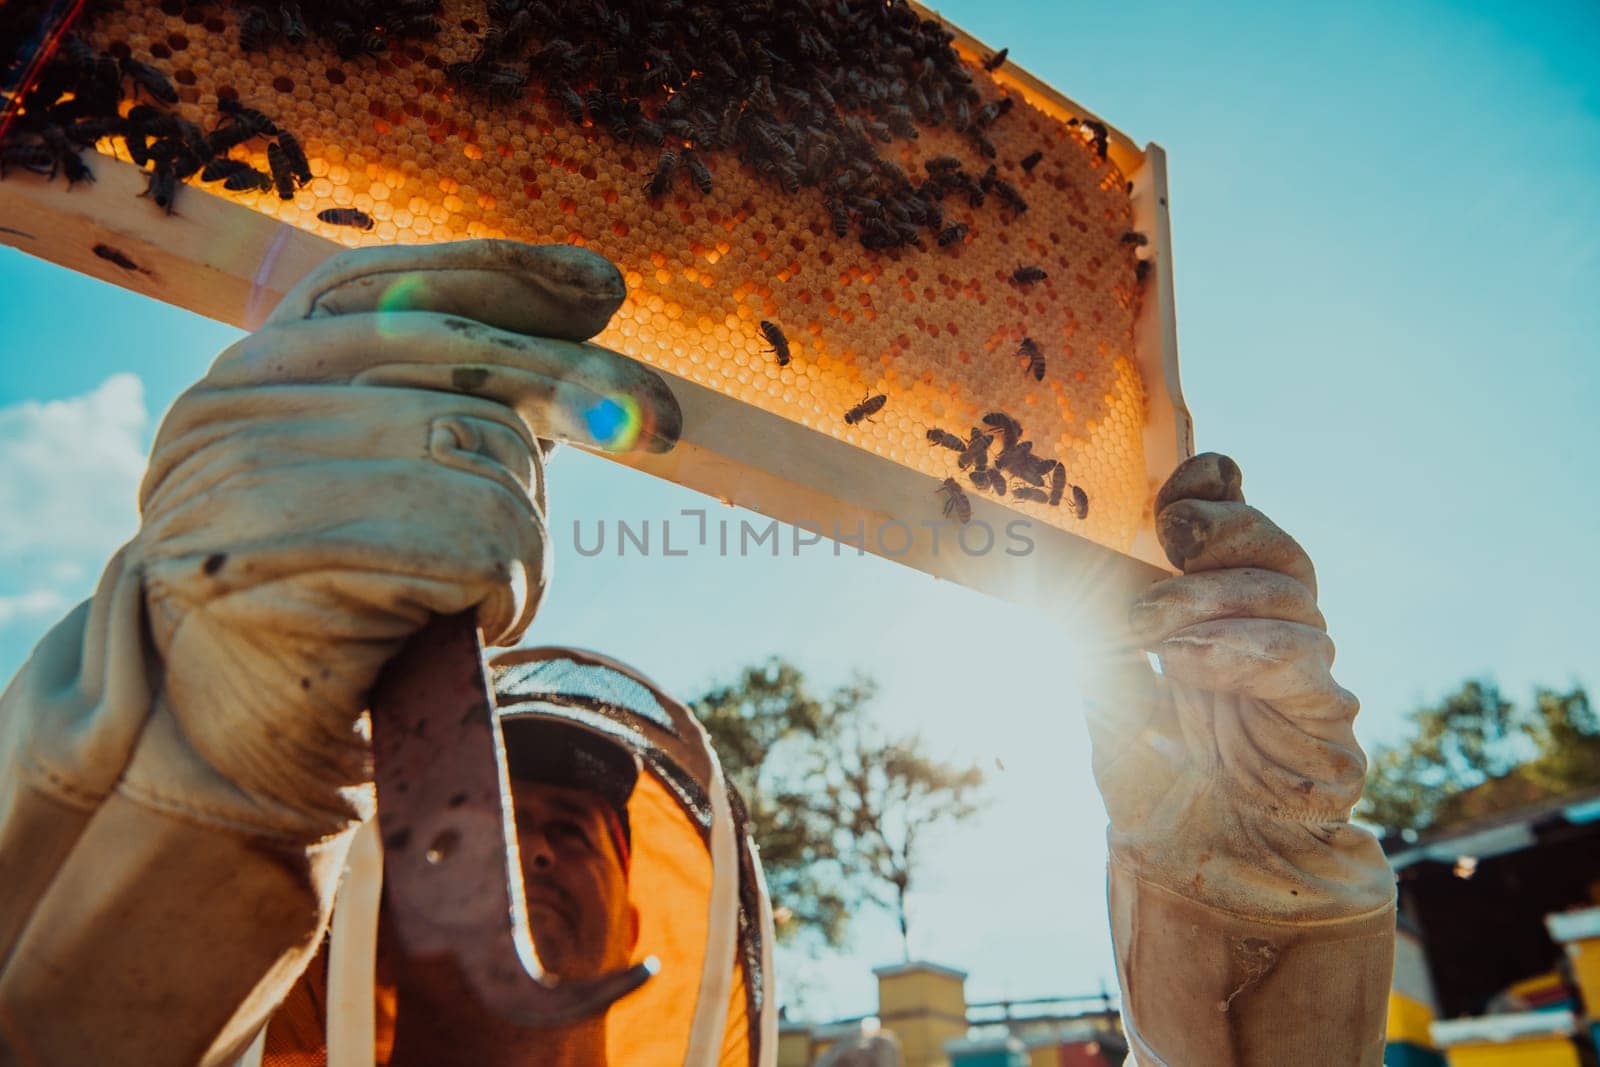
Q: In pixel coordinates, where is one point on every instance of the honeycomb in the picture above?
(938, 330)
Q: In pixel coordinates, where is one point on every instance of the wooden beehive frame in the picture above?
(222, 260)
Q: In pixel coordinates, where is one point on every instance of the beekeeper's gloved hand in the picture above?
(183, 756)
(364, 460)
(1253, 923)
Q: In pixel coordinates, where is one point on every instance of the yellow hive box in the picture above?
(1579, 932)
(396, 142)
(1526, 1039)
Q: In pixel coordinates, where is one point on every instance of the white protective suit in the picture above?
(184, 759)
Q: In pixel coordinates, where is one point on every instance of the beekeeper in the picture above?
(184, 760)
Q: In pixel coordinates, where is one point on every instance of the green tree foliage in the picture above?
(1475, 753)
(840, 810)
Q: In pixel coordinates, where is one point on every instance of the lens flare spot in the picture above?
(615, 422)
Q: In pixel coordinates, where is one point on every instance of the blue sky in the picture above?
(1387, 248)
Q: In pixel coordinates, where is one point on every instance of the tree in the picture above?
(887, 795)
(768, 730)
(839, 810)
(1476, 753)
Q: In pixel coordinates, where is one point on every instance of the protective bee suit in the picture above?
(186, 758)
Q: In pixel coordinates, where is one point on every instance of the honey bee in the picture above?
(990, 479)
(952, 234)
(559, 56)
(247, 118)
(780, 344)
(1009, 429)
(30, 157)
(247, 179)
(866, 409)
(1028, 275)
(294, 25)
(1058, 483)
(1028, 492)
(698, 172)
(570, 102)
(946, 439)
(1141, 270)
(282, 173)
(296, 155)
(65, 155)
(256, 29)
(1080, 502)
(1029, 349)
(901, 122)
(419, 25)
(221, 169)
(956, 504)
(839, 215)
(148, 78)
(976, 452)
(986, 114)
(975, 192)
(1020, 461)
(496, 80)
(942, 165)
(961, 119)
(996, 61)
(163, 186)
(346, 41)
(1008, 193)
(346, 216)
(661, 181)
(1102, 137)
(86, 133)
(1135, 238)
(1031, 160)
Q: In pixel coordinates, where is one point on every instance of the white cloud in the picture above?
(69, 483)
(69, 477)
(31, 605)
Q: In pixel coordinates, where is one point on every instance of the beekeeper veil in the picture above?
(580, 721)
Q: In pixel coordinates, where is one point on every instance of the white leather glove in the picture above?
(365, 459)
(182, 758)
(1253, 923)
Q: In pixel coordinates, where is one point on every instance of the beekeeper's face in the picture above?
(576, 881)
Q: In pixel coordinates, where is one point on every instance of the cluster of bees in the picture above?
(804, 92)
(1014, 468)
(73, 102)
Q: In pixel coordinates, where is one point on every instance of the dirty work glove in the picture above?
(184, 758)
(1253, 923)
(365, 459)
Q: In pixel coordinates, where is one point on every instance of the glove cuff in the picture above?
(1205, 985)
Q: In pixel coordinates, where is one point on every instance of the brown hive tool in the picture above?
(451, 872)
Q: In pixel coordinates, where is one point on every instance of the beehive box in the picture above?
(413, 130)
